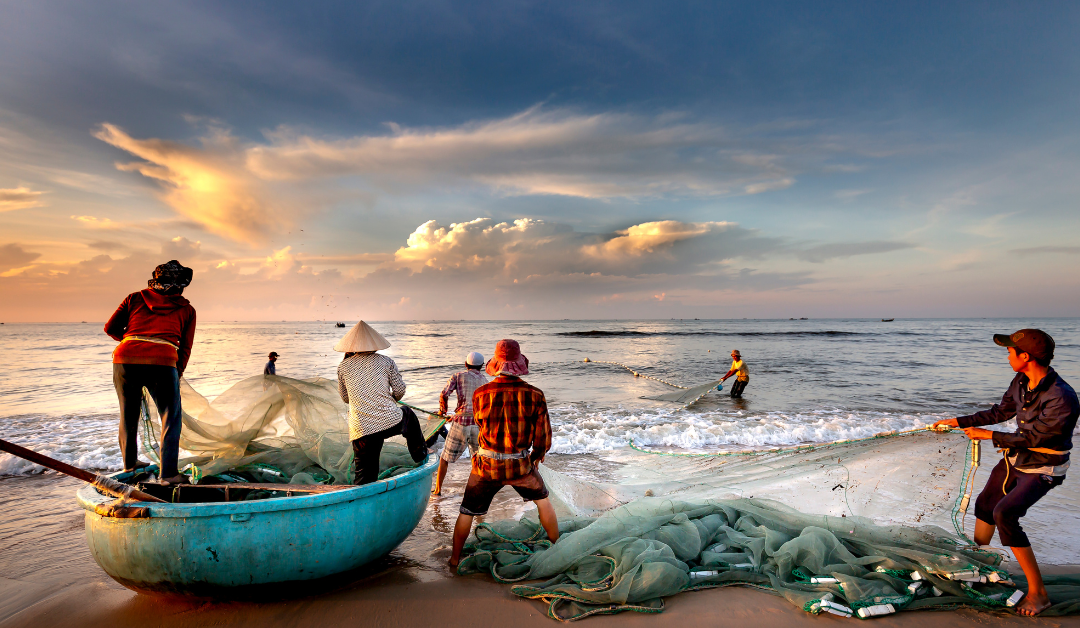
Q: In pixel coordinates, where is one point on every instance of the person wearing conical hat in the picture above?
(156, 328)
(515, 436)
(371, 385)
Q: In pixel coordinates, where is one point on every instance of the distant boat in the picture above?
(887, 320)
(340, 325)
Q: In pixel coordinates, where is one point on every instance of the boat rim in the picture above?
(89, 498)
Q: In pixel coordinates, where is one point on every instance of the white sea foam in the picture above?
(88, 442)
(577, 429)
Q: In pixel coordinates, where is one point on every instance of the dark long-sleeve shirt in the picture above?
(1045, 418)
(167, 319)
(513, 417)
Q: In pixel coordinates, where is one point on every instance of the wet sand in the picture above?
(48, 578)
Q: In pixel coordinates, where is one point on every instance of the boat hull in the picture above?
(206, 548)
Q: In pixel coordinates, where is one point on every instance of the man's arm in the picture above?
(118, 322)
(998, 413)
(397, 385)
(728, 374)
(342, 390)
(187, 338)
(444, 396)
(1055, 418)
(542, 433)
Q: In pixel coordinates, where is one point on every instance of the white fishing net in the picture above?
(272, 429)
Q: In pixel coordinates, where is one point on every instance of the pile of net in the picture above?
(268, 428)
(887, 533)
(630, 558)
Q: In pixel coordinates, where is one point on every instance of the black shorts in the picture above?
(1007, 496)
(479, 492)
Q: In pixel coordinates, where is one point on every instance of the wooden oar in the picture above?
(107, 484)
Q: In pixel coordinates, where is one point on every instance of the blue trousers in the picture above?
(163, 382)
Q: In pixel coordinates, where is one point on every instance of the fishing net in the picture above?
(687, 396)
(878, 541)
(269, 428)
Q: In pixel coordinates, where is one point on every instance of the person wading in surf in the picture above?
(155, 328)
(463, 431)
(1036, 455)
(737, 367)
(513, 418)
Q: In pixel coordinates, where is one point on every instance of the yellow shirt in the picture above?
(741, 370)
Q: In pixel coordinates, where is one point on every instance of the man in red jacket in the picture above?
(155, 328)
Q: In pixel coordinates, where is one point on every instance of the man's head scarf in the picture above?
(170, 278)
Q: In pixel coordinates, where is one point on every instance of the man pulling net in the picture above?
(1036, 455)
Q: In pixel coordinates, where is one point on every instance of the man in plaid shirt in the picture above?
(463, 431)
(512, 417)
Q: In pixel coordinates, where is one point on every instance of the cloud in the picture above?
(528, 247)
(19, 198)
(209, 185)
(538, 151)
(1038, 250)
(826, 252)
(847, 195)
(13, 256)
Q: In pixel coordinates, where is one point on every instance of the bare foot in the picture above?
(139, 464)
(437, 490)
(177, 479)
(1032, 605)
(453, 565)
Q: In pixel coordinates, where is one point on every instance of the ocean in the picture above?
(811, 380)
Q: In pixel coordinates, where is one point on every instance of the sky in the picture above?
(542, 160)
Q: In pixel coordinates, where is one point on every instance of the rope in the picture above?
(149, 439)
(796, 448)
(963, 498)
(636, 374)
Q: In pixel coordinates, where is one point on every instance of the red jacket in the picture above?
(149, 314)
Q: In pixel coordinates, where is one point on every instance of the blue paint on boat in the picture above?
(198, 548)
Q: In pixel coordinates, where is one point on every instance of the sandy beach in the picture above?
(50, 579)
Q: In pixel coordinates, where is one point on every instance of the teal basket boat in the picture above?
(211, 548)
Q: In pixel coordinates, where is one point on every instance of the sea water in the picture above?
(810, 380)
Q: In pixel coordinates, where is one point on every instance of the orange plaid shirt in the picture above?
(512, 416)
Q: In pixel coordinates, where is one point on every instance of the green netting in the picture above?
(269, 428)
(633, 556)
(675, 521)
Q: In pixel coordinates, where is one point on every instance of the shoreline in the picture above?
(49, 578)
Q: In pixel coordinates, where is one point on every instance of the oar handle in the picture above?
(104, 483)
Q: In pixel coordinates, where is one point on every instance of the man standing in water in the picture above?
(271, 368)
(512, 417)
(155, 328)
(739, 367)
(463, 431)
(1036, 454)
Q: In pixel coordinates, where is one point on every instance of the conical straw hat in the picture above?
(361, 338)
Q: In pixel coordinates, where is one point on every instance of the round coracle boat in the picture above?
(223, 538)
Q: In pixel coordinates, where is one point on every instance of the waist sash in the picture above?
(150, 339)
(494, 455)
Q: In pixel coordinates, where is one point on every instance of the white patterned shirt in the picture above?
(371, 384)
